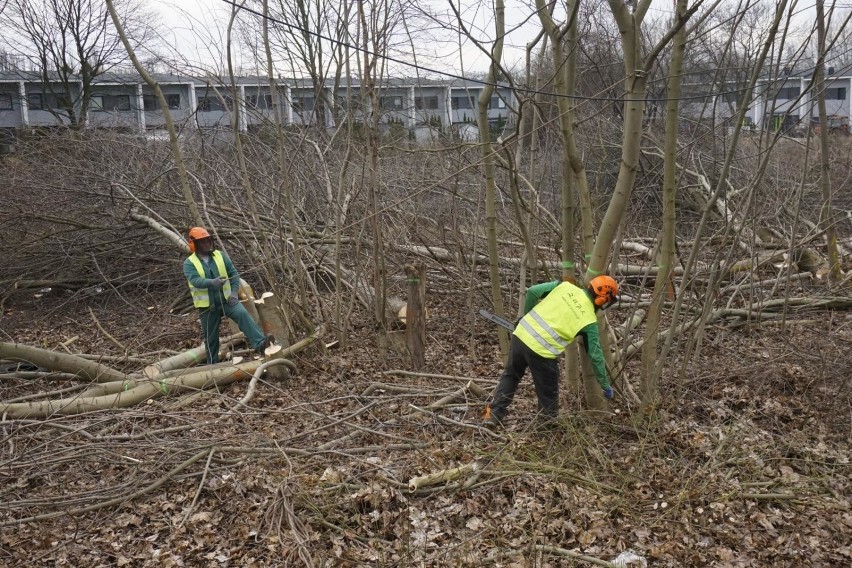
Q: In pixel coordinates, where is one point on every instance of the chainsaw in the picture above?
(497, 319)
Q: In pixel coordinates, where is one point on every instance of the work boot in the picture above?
(267, 341)
(493, 422)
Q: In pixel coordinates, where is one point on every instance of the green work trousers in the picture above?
(210, 318)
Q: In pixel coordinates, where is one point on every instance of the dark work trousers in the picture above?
(210, 318)
(545, 375)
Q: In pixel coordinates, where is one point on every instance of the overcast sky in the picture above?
(198, 28)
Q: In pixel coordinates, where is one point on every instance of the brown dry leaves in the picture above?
(746, 465)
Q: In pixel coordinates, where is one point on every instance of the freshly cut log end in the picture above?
(273, 352)
(400, 310)
(281, 371)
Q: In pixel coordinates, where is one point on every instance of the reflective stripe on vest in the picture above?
(200, 296)
(554, 323)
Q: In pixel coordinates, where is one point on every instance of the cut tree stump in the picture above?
(415, 316)
(272, 318)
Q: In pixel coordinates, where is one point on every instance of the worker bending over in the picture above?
(555, 313)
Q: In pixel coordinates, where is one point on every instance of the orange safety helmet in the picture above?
(604, 290)
(196, 234)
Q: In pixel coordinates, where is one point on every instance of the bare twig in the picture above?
(200, 486)
(106, 333)
(571, 554)
(110, 502)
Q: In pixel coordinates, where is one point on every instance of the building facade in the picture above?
(27, 100)
(787, 103)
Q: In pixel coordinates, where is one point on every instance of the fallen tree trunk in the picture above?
(129, 390)
(444, 255)
(302, 344)
(195, 356)
(103, 389)
(758, 311)
(62, 362)
(141, 392)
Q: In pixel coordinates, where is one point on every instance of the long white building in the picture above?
(27, 100)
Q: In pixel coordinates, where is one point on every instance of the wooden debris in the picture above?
(442, 476)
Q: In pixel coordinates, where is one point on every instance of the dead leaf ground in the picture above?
(746, 463)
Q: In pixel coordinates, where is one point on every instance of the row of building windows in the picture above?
(36, 101)
(397, 103)
(40, 101)
(472, 102)
(152, 103)
(694, 96)
(833, 94)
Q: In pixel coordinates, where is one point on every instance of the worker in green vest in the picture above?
(555, 313)
(213, 282)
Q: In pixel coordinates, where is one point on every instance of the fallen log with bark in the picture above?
(112, 389)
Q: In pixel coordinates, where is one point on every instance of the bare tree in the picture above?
(11, 62)
(309, 37)
(72, 43)
(839, 33)
(170, 127)
(667, 244)
(825, 166)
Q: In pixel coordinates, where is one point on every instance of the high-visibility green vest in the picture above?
(553, 324)
(200, 296)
